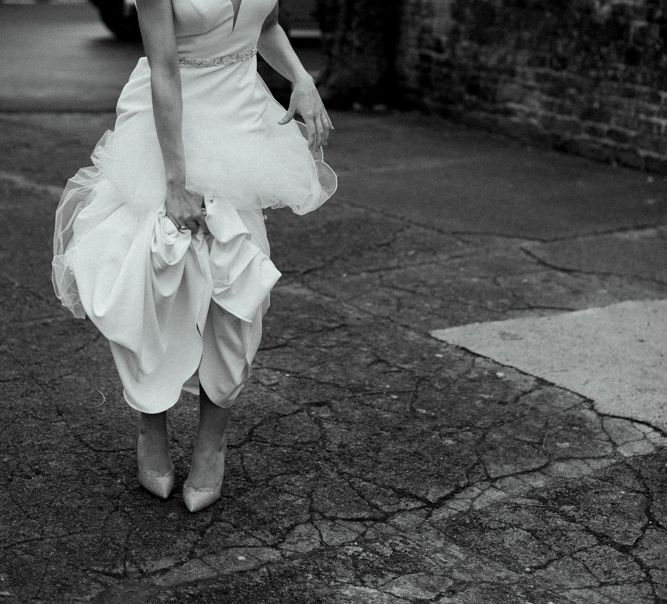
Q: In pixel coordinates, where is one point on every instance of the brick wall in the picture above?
(588, 76)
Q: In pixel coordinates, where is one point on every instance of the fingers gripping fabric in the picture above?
(158, 349)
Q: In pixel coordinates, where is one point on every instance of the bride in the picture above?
(162, 242)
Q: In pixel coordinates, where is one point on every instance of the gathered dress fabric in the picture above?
(181, 309)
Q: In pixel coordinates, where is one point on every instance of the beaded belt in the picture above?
(217, 61)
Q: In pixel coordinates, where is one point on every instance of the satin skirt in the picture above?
(178, 307)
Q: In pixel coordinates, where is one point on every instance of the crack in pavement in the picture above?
(368, 461)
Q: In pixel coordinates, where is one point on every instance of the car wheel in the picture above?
(120, 19)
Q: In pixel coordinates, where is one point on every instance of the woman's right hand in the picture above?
(185, 209)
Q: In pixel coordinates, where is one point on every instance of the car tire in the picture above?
(123, 26)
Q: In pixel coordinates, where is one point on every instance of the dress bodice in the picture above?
(210, 28)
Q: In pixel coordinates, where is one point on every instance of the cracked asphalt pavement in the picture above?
(368, 462)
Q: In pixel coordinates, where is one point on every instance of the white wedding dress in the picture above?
(180, 309)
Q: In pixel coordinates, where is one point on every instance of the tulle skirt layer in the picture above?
(235, 151)
(164, 297)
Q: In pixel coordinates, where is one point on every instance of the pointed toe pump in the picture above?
(158, 484)
(196, 500)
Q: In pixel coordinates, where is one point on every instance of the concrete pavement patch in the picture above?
(616, 356)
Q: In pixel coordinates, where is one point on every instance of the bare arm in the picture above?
(275, 48)
(157, 29)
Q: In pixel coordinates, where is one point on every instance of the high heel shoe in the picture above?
(196, 499)
(159, 484)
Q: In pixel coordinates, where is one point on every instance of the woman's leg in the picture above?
(153, 443)
(208, 456)
(223, 373)
(230, 345)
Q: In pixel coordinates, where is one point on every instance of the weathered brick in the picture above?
(583, 75)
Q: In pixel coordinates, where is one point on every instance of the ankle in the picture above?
(145, 432)
(152, 425)
(212, 441)
(153, 455)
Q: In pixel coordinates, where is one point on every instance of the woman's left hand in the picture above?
(306, 101)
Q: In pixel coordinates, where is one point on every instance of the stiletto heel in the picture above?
(196, 499)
